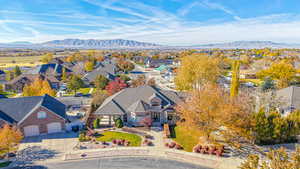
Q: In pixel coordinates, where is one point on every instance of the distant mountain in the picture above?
(93, 43)
(249, 45)
(131, 44)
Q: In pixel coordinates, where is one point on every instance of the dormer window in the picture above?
(42, 115)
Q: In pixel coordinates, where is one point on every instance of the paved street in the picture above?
(119, 163)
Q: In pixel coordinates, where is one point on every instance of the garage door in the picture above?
(54, 127)
(31, 131)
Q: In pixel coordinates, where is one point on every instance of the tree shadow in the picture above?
(32, 154)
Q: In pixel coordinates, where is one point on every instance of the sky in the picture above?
(166, 22)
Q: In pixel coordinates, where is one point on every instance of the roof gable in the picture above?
(19, 108)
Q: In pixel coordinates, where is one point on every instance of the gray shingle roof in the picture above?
(138, 106)
(106, 69)
(136, 98)
(48, 68)
(15, 109)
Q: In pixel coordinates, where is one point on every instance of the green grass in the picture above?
(187, 139)
(108, 136)
(5, 164)
(84, 91)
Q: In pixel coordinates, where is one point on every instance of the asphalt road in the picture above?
(120, 163)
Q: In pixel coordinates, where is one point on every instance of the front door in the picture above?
(155, 116)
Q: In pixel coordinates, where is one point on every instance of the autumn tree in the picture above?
(47, 58)
(196, 70)
(10, 137)
(75, 83)
(125, 65)
(235, 84)
(89, 66)
(139, 81)
(38, 88)
(282, 72)
(98, 98)
(100, 82)
(64, 76)
(210, 108)
(274, 159)
(115, 86)
(151, 82)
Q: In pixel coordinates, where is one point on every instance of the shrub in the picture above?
(83, 137)
(119, 123)
(96, 123)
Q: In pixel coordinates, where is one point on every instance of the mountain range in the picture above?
(131, 44)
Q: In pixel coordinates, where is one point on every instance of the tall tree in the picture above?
(210, 108)
(115, 86)
(100, 82)
(196, 70)
(17, 71)
(282, 72)
(125, 65)
(89, 66)
(75, 83)
(235, 84)
(38, 88)
(139, 81)
(10, 137)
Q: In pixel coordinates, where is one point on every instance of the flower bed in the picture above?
(109, 136)
(209, 149)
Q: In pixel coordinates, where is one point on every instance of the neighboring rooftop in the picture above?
(14, 110)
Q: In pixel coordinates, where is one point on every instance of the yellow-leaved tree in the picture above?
(10, 137)
(235, 81)
(210, 109)
(282, 72)
(197, 69)
(38, 88)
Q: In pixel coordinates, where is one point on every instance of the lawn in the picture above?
(186, 139)
(109, 136)
(5, 164)
(84, 91)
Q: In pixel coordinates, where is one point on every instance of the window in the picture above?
(170, 117)
(42, 115)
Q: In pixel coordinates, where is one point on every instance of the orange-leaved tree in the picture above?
(210, 110)
(10, 137)
(38, 88)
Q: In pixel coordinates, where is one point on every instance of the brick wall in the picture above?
(42, 123)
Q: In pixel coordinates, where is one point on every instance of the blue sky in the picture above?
(171, 22)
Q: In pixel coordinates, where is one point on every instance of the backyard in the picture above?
(109, 136)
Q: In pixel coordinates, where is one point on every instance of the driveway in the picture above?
(46, 147)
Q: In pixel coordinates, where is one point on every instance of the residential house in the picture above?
(132, 105)
(107, 69)
(34, 115)
(52, 71)
(155, 63)
(18, 83)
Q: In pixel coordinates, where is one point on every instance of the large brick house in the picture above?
(132, 105)
(34, 115)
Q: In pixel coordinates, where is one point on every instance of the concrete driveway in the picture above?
(58, 143)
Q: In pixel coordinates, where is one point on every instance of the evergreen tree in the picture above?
(17, 71)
